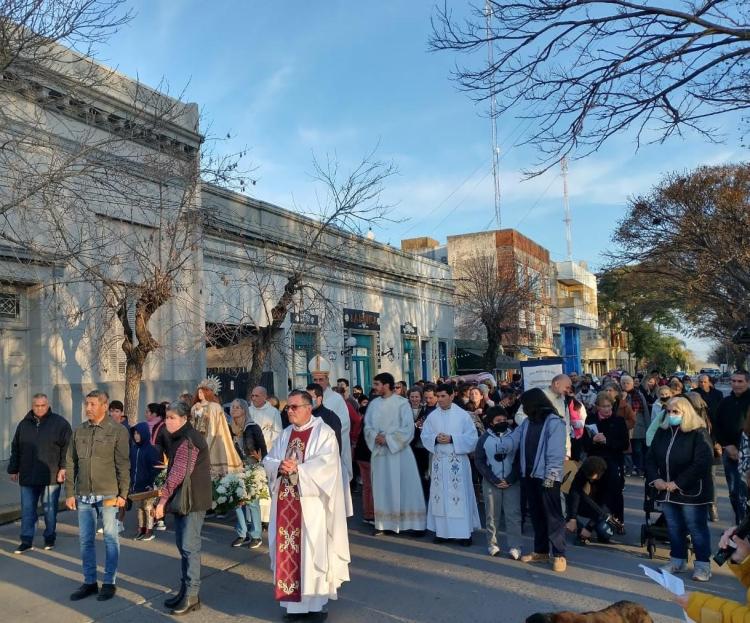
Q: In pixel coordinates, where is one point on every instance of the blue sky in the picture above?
(293, 79)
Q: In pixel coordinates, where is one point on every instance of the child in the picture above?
(495, 459)
(144, 467)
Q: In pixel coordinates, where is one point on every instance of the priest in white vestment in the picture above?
(307, 536)
(265, 415)
(396, 487)
(320, 370)
(450, 435)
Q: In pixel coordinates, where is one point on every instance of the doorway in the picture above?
(14, 385)
(362, 361)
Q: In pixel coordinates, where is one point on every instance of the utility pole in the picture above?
(566, 203)
(493, 120)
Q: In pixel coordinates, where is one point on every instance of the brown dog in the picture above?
(621, 612)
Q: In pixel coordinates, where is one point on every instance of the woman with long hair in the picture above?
(209, 420)
(678, 466)
(542, 447)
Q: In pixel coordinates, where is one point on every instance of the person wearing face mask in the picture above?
(495, 459)
(678, 466)
(607, 437)
(658, 412)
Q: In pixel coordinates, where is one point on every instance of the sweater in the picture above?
(705, 608)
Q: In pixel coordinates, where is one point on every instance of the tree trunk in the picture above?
(133, 376)
(261, 349)
(493, 349)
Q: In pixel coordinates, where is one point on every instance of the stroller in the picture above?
(656, 531)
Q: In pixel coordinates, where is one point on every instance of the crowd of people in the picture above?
(423, 458)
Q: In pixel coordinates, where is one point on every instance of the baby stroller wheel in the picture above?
(644, 533)
(651, 548)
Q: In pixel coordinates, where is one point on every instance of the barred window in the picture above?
(10, 305)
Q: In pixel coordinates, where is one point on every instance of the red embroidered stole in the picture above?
(288, 580)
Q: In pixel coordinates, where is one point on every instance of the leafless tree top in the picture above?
(585, 70)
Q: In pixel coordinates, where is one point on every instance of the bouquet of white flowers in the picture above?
(229, 492)
(256, 483)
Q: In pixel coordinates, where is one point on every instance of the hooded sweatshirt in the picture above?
(143, 460)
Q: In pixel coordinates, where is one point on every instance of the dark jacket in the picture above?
(251, 441)
(712, 398)
(361, 452)
(416, 442)
(200, 478)
(730, 418)
(585, 498)
(330, 418)
(615, 430)
(144, 458)
(38, 449)
(98, 460)
(686, 460)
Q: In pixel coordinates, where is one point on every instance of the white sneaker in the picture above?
(100, 531)
(702, 572)
(160, 525)
(493, 550)
(675, 565)
(515, 553)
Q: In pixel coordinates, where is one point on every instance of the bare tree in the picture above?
(581, 71)
(685, 245)
(288, 271)
(493, 295)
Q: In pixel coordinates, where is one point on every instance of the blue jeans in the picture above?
(638, 447)
(248, 520)
(50, 496)
(187, 530)
(87, 519)
(683, 519)
(736, 485)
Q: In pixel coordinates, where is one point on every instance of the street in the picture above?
(393, 578)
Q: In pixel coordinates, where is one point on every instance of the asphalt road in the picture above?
(394, 579)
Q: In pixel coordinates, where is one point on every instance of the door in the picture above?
(443, 355)
(304, 351)
(362, 361)
(409, 361)
(14, 383)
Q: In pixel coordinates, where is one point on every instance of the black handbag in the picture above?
(182, 499)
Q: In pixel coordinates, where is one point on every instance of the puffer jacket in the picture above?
(38, 449)
(705, 608)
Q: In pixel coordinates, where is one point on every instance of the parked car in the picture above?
(714, 373)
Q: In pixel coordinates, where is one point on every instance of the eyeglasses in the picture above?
(296, 407)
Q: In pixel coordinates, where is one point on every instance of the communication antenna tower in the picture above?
(566, 203)
(493, 120)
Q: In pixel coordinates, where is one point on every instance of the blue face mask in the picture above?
(675, 420)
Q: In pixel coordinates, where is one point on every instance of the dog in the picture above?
(621, 612)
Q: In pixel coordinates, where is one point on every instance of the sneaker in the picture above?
(369, 522)
(675, 565)
(23, 547)
(240, 541)
(559, 564)
(160, 525)
(535, 557)
(493, 550)
(100, 531)
(140, 535)
(255, 543)
(148, 536)
(48, 545)
(702, 572)
(106, 592)
(515, 553)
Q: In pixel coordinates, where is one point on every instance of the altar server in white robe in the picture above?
(307, 536)
(396, 487)
(265, 415)
(320, 370)
(450, 435)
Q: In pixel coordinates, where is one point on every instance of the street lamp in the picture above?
(349, 345)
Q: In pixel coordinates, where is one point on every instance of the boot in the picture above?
(171, 602)
(187, 604)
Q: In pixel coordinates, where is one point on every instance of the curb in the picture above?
(9, 514)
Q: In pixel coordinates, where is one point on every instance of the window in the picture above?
(10, 305)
